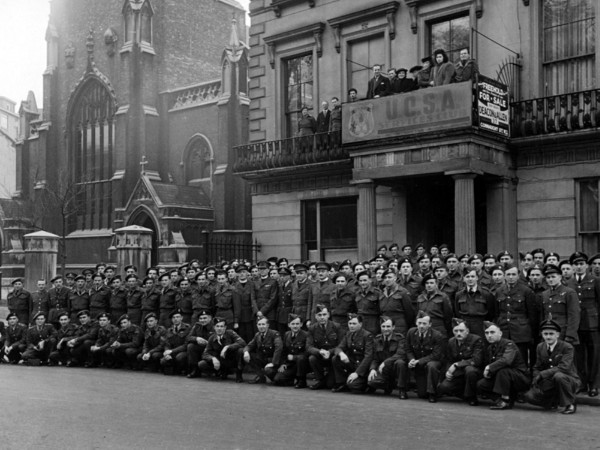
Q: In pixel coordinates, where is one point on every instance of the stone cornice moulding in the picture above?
(277, 5)
(316, 30)
(413, 6)
(389, 9)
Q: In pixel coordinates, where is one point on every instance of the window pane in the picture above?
(363, 54)
(588, 205)
(451, 35)
(338, 223)
(299, 79)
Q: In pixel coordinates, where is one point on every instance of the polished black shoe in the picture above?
(258, 380)
(473, 402)
(402, 394)
(301, 384)
(501, 404)
(571, 409)
(593, 392)
(432, 398)
(193, 374)
(340, 388)
(319, 385)
(239, 378)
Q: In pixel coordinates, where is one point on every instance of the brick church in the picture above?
(143, 103)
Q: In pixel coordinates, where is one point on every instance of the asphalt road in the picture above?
(77, 408)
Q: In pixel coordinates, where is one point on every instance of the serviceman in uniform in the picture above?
(437, 306)
(18, 301)
(79, 298)
(128, 343)
(424, 352)
(294, 360)
(561, 304)
(225, 304)
(301, 288)
(474, 303)
(243, 295)
(107, 333)
(134, 298)
(505, 373)
(587, 353)
(15, 343)
(464, 356)
(367, 302)
(555, 378)
(284, 305)
(266, 291)
(61, 352)
(264, 352)
(395, 302)
(39, 300)
(99, 296)
(196, 340)
(167, 300)
(323, 337)
(352, 357)
(342, 301)
(118, 300)
(150, 298)
(223, 353)
(174, 359)
(40, 339)
(389, 353)
(153, 345)
(85, 336)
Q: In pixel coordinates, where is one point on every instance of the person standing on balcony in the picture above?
(414, 73)
(424, 76)
(335, 119)
(443, 71)
(352, 95)
(466, 68)
(404, 84)
(379, 86)
(323, 118)
(307, 125)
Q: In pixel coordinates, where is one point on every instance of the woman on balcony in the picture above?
(443, 71)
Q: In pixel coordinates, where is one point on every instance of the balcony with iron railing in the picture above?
(319, 149)
(562, 113)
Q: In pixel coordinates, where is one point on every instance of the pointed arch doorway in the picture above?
(144, 218)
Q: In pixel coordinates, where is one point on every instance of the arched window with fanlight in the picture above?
(198, 162)
(91, 132)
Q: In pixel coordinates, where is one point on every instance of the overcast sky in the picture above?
(23, 47)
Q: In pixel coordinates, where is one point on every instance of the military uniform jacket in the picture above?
(100, 298)
(269, 346)
(202, 331)
(130, 337)
(448, 287)
(225, 305)
(87, 332)
(204, 298)
(562, 305)
(265, 294)
(367, 302)
(150, 300)
(561, 360)
(388, 352)
(244, 295)
(430, 348)
(320, 293)
(358, 347)
(412, 284)
(154, 339)
(184, 300)
(516, 312)
(438, 307)
(66, 333)
(301, 299)
(134, 298)
(214, 347)
(503, 354)
(481, 303)
(167, 298)
(15, 335)
(35, 334)
(118, 299)
(40, 302)
(79, 300)
(588, 292)
(175, 339)
(325, 337)
(342, 302)
(285, 305)
(397, 305)
(469, 352)
(18, 301)
(294, 345)
(106, 336)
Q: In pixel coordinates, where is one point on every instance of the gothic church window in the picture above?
(199, 160)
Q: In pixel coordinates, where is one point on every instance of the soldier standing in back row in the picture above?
(19, 300)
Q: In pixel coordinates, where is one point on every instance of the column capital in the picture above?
(462, 174)
(364, 181)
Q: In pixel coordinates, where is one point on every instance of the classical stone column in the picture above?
(464, 212)
(41, 252)
(501, 198)
(367, 219)
(399, 215)
(133, 245)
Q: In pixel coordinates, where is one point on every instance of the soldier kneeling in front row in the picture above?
(263, 352)
(223, 352)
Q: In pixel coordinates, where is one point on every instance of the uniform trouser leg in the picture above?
(37, 354)
(153, 362)
(62, 355)
(506, 382)
(566, 387)
(257, 364)
(559, 389)
(386, 379)
(341, 369)
(427, 378)
(524, 350)
(588, 359)
(194, 353)
(81, 352)
(318, 365)
(246, 330)
(286, 376)
(403, 375)
(463, 384)
(232, 361)
(16, 352)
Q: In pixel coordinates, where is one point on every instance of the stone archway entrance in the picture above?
(144, 219)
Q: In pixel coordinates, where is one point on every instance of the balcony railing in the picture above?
(318, 148)
(555, 114)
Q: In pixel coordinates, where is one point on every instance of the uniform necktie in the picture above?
(579, 277)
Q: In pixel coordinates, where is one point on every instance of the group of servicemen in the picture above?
(464, 325)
